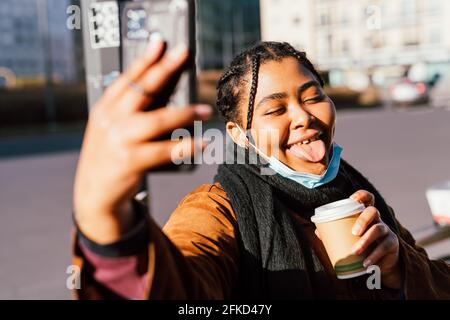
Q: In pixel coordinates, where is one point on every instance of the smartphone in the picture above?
(170, 20)
(173, 21)
(116, 32)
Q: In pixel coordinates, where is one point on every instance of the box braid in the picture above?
(251, 99)
(229, 87)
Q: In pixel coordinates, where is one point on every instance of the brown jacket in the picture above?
(196, 256)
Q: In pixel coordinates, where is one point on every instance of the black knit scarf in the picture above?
(274, 263)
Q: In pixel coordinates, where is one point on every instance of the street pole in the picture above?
(50, 108)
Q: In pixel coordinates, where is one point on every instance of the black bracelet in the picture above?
(133, 242)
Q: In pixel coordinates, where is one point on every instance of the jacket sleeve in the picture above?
(195, 256)
(423, 278)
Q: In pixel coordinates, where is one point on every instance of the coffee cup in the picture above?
(334, 222)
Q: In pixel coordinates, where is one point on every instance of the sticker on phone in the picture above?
(104, 25)
(136, 28)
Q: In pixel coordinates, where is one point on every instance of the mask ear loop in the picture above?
(249, 142)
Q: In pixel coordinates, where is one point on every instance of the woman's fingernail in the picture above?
(203, 111)
(356, 230)
(153, 43)
(355, 249)
(178, 52)
(367, 263)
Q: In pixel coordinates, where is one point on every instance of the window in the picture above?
(324, 45)
(410, 37)
(7, 39)
(433, 6)
(296, 20)
(377, 40)
(324, 19)
(19, 40)
(374, 41)
(409, 7)
(344, 17)
(345, 46)
(434, 36)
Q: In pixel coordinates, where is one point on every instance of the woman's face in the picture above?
(293, 119)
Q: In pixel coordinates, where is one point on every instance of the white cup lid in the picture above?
(337, 210)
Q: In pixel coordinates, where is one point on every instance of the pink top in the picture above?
(126, 276)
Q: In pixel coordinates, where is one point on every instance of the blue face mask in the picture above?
(308, 180)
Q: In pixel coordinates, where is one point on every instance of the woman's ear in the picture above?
(237, 135)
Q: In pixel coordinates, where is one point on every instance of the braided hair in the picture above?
(229, 87)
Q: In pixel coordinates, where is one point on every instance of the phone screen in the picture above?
(167, 19)
(174, 22)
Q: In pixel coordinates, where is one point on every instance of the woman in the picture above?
(249, 234)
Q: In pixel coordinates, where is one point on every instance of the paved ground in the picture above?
(401, 152)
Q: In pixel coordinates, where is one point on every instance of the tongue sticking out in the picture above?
(312, 152)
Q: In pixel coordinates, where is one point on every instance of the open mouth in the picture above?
(306, 139)
(309, 148)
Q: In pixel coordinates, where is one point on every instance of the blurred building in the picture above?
(224, 29)
(25, 43)
(358, 41)
(66, 44)
(28, 51)
(291, 21)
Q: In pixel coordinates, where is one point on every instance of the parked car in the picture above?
(407, 92)
(438, 196)
(440, 94)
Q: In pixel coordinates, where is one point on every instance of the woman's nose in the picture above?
(300, 118)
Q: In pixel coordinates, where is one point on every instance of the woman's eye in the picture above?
(315, 99)
(274, 112)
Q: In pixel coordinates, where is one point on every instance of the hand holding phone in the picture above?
(121, 142)
(173, 21)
